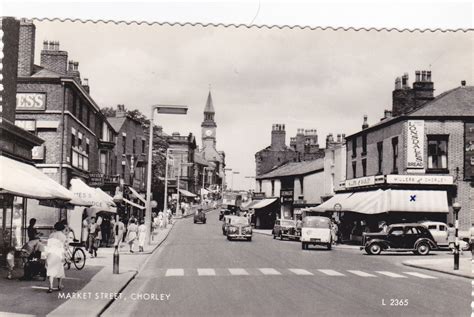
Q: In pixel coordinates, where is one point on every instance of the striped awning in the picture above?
(262, 203)
(186, 193)
(131, 203)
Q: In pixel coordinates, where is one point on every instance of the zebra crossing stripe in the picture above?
(361, 273)
(331, 272)
(238, 272)
(391, 274)
(300, 272)
(420, 275)
(174, 272)
(269, 271)
(206, 272)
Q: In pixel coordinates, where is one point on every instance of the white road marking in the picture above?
(420, 275)
(269, 271)
(331, 272)
(238, 272)
(300, 272)
(174, 272)
(8, 314)
(39, 287)
(361, 273)
(390, 274)
(206, 272)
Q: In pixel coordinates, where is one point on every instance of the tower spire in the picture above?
(209, 105)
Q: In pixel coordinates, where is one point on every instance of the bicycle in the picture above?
(75, 255)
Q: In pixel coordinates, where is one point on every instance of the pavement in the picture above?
(444, 265)
(197, 272)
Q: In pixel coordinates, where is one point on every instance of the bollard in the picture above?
(116, 260)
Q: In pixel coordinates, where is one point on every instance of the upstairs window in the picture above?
(364, 167)
(395, 155)
(354, 169)
(124, 144)
(364, 144)
(143, 146)
(354, 147)
(437, 152)
(380, 157)
(133, 145)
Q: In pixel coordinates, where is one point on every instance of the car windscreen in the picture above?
(239, 221)
(287, 223)
(317, 222)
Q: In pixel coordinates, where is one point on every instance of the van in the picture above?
(316, 230)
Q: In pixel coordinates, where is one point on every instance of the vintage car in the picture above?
(413, 237)
(316, 230)
(239, 228)
(227, 220)
(199, 216)
(439, 231)
(286, 228)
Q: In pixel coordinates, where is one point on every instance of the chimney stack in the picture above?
(408, 99)
(121, 112)
(423, 90)
(53, 59)
(278, 136)
(387, 114)
(85, 84)
(365, 125)
(339, 140)
(463, 83)
(405, 81)
(26, 48)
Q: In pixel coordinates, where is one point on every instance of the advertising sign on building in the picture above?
(361, 181)
(96, 179)
(286, 195)
(420, 179)
(415, 144)
(469, 150)
(30, 101)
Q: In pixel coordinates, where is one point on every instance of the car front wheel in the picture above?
(374, 249)
(423, 248)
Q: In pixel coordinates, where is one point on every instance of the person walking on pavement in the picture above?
(141, 235)
(55, 258)
(105, 229)
(452, 237)
(85, 230)
(93, 231)
(132, 234)
(160, 219)
(334, 231)
(119, 228)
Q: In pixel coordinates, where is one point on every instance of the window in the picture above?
(397, 231)
(380, 157)
(143, 146)
(79, 110)
(432, 227)
(273, 188)
(364, 167)
(364, 144)
(103, 163)
(354, 169)
(124, 144)
(133, 145)
(437, 152)
(123, 172)
(395, 155)
(88, 118)
(354, 147)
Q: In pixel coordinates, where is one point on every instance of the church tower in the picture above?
(208, 126)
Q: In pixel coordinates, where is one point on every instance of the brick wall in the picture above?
(266, 160)
(10, 28)
(26, 48)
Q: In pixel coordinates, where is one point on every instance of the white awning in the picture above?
(263, 203)
(131, 203)
(94, 197)
(25, 180)
(328, 205)
(369, 202)
(186, 193)
(418, 200)
(136, 194)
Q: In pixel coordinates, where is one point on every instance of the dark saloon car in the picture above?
(199, 216)
(286, 228)
(239, 228)
(412, 237)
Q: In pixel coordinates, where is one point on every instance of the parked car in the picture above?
(316, 230)
(239, 228)
(286, 228)
(413, 237)
(439, 231)
(199, 216)
(226, 224)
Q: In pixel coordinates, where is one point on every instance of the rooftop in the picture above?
(294, 169)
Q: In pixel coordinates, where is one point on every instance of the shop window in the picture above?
(438, 153)
(273, 188)
(354, 147)
(143, 146)
(364, 144)
(395, 155)
(380, 157)
(364, 167)
(354, 169)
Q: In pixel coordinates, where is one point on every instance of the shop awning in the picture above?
(328, 205)
(131, 203)
(25, 180)
(249, 205)
(370, 202)
(263, 203)
(186, 193)
(136, 194)
(418, 200)
(96, 198)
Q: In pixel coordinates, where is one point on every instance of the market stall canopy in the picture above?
(186, 193)
(96, 198)
(37, 184)
(136, 194)
(262, 203)
(131, 203)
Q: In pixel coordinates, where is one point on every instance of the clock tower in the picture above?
(208, 126)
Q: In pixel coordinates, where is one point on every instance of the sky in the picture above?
(312, 79)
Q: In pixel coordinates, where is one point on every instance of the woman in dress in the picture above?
(85, 230)
(141, 235)
(55, 258)
(132, 234)
(92, 237)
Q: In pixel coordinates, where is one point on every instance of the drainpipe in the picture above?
(61, 155)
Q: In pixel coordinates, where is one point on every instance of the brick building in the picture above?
(416, 161)
(303, 147)
(55, 104)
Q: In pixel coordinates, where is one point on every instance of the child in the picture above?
(10, 262)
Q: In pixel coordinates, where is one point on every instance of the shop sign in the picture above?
(361, 181)
(30, 101)
(286, 195)
(37, 152)
(28, 125)
(96, 179)
(415, 144)
(469, 150)
(420, 179)
(258, 195)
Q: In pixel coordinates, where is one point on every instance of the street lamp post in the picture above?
(165, 109)
(456, 209)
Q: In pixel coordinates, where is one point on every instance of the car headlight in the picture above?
(247, 229)
(232, 229)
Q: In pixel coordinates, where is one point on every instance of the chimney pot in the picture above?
(463, 83)
(417, 76)
(423, 75)
(428, 76)
(365, 125)
(45, 45)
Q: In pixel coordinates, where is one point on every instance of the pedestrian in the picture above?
(119, 230)
(68, 232)
(170, 216)
(111, 232)
(160, 219)
(452, 237)
(105, 229)
(85, 230)
(141, 235)
(32, 231)
(334, 231)
(55, 258)
(32, 252)
(10, 261)
(132, 234)
(92, 237)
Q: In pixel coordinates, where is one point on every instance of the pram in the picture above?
(34, 267)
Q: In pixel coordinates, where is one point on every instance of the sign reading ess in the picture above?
(30, 101)
(415, 144)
